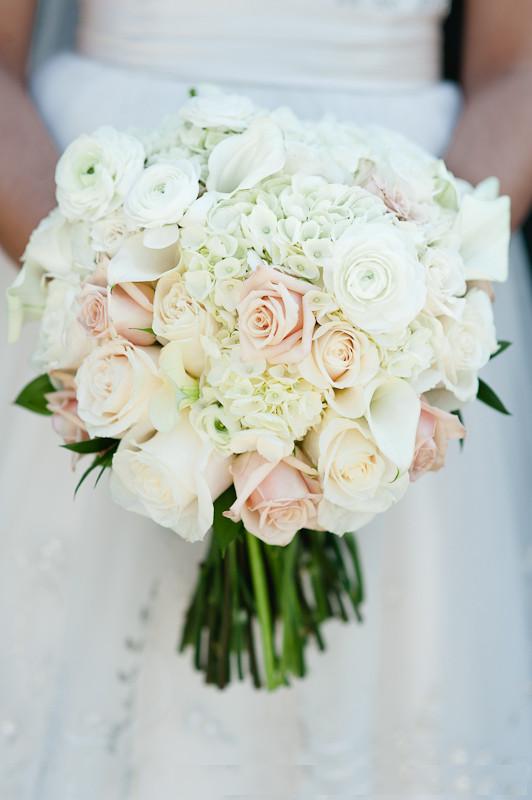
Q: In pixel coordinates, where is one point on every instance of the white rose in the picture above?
(63, 342)
(114, 387)
(178, 317)
(355, 475)
(376, 277)
(95, 173)
(218, 110)
(341, 357)
(172, 478)
(470, 341)
(108, 233)
(162, 194)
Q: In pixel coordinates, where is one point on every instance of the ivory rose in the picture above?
(131, 312)
(435, 429)
(355, 474)
(276, 323)
(173, 478)
(274, 499)
(341, 357)
(114, 387)
(178, 317)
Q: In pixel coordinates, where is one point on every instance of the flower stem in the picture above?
(260, 588)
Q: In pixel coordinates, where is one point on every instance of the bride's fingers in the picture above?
(486, 286)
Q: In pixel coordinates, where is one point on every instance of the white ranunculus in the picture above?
(355, 474)
(95, 173)
(484, 227)
(243, 160)
(376, 277)
(446, 283)
(179, 318)
(470, 341)
(162, 194)
(214, 423)
(114, 386)
(63, 342)
(135, 261)
(172, 478)
(414, 357)
(215, 109)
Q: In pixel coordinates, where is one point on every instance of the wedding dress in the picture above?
(432, 694)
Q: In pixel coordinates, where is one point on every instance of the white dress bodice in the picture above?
(302, 43)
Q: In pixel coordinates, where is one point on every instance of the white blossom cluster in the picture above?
(243, 297)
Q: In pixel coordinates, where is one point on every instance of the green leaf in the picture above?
(486, 395)
(458, 414)
(192, 92)
(502, 347)
(91, 445)
(33, 397)
(102, 462)
(225, 530)
(144, 330)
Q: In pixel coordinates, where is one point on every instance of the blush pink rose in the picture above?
(131, 312)
(274, 500)
(93, 314)
(64, 407)
(276, 322)
(436, 428)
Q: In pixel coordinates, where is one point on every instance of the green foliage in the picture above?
(486, 395)
(225, 530)
(33, 396)
(97, 445)
(503, 345)
(102, 461)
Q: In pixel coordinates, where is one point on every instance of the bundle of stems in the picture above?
(256, 607)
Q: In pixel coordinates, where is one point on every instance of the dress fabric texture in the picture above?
(432, 694)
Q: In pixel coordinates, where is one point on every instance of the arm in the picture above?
(494, 133)
(27, 154)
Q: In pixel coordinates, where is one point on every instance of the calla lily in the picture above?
(242, 160)
(393, 409)
(26, 298)
(177, 391)
(484, 224)
(160, 238)
(136, 261)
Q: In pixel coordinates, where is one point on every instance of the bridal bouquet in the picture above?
(264, 328)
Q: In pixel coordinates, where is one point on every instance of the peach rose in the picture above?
(131, 312)
(274, 500)
(275, 321)
(64, 407)
(435, 429)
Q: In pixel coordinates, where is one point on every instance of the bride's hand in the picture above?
(494, 132)
(486, 286)
(27, 155)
